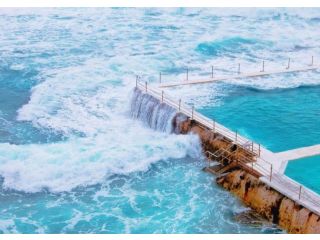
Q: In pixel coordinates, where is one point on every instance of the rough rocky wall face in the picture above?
(269, 203)
(298, 219)
(210, 141)
(253, 193)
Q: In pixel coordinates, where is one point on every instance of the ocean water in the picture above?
(72, 157)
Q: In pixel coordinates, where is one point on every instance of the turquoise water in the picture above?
(305, 171)
(73, 160)
(280, 119)
(172, 196)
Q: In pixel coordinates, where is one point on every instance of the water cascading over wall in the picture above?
(152, 112)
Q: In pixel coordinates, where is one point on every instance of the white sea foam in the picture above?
(86, 161)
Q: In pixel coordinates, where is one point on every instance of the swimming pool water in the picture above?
(306, 172)
(279, 119)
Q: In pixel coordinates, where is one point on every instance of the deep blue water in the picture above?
(71, 157)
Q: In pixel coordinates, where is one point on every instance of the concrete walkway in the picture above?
(298, 153)
(241, 75)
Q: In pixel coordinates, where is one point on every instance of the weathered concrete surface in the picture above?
(269, 203)
(298, 153)
(210, 141)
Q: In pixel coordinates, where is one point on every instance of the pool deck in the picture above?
(269, 164)
(298, 153)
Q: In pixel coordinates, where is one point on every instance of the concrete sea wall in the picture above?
(233, 172)
(265, 200)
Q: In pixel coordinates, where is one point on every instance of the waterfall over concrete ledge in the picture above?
(152, 112)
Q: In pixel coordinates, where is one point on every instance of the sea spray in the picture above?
(151, 111)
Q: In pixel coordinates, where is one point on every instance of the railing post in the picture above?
(288, 64)
(211, 71)
(312, 61)
(187, 74)
(213, 125)
(238, 68)
(160, 77)
(136, 80)
(192, 112)
(179, 104)
(209, 159)
(252, 147)
(236, 136)
(259, 149)
(162, 96)
(146, 86)
(300, 189)
(262, 67)
(270, 172)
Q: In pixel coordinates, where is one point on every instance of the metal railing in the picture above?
(238, 69)
(244, 161)
(281, 183)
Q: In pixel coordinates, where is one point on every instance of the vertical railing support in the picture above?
(162, 96)
(259, 149)
(179, 104)
(312, 61)
(211, 71)
(146, 86)
(213, 125)
(252, 147)
(270, 172)
(262, 70)
(289, 60)
(137, 80)
(300, 189)
(238, 68)
(192, 112)
(187, 74)
(160, 77)
(236, 136)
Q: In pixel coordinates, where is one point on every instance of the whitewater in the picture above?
(76, 155)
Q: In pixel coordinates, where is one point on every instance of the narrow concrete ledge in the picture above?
(298, 153)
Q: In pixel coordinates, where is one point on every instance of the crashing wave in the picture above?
(151, 111)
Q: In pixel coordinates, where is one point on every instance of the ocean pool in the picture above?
(279, 119)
